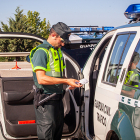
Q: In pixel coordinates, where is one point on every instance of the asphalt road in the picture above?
(7, 71)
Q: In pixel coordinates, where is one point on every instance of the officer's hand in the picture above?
(73, 83)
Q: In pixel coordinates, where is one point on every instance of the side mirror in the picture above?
(28, 58)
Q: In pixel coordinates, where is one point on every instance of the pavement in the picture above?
(7, 71)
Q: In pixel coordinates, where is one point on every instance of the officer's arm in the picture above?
(43, 79)
(129, 93)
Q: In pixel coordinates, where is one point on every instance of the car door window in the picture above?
(116, 58)
(131, 86)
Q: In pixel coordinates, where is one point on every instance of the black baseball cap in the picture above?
(63, 31)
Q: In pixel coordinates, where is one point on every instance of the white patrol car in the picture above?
(106, 108)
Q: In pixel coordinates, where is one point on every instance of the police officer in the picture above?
(132, 77)
(48, 67)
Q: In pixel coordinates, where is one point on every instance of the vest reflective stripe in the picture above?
(54, 73)
(54, 63)
(32, 53)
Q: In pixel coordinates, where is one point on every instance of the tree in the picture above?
(19, 24)
(30, 23)
(38, 26)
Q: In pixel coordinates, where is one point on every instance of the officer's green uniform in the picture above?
(132, 79)
(49, 117)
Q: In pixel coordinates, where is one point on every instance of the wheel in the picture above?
(114, 136)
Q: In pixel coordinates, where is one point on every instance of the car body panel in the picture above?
(105, 94)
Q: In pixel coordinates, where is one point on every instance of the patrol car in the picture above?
(83, 41)
(106, 108)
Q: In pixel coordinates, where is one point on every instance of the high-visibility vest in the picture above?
(55, 65)
(130, 78)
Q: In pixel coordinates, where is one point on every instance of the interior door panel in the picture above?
(17, 101)
(18, 105)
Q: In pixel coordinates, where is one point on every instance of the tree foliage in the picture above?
(30, 23)
(39, 27)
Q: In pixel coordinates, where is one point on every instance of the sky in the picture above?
(71, 12)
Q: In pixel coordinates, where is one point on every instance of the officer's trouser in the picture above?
(50, 119)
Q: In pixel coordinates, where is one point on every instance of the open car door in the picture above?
(17, 116)
(72, 99)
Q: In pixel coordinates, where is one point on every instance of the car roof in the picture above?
(126, 26)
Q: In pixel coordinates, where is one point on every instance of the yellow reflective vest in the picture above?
(131, 77)
(55, 65)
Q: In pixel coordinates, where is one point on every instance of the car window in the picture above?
(116, 58)
(13, 54)
(131, 86)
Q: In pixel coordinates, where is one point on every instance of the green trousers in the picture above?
(50, 120)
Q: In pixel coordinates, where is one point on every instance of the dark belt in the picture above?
(40, 97)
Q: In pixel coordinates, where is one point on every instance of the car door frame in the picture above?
(87, 72)
(7, 35)
(39, 39)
